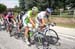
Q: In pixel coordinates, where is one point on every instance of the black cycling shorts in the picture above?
(10, 20)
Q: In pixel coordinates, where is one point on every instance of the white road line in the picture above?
(68, 36)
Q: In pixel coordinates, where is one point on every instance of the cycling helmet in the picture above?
(48, 10)
(35, 9)
(9, 13)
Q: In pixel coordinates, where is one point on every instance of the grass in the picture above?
(66, 25)
(63, 16)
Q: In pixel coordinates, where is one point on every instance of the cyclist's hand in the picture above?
(42, 26)
(14, 23)
(33, 26)
(20, 22)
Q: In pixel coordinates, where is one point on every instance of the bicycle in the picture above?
(17, 35)
(47, 37)
(52, 34)
(32, 33)
(41, 38)
(10, 27)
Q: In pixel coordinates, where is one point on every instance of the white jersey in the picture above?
(40, 16)
(23, 19)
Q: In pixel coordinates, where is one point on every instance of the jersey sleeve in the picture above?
(23, 19)
(40, 16)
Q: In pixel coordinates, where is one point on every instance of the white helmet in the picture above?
(48, 10)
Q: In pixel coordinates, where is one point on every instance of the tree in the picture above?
(41, 4)
(22, 5)
(29, 4)
(17, 9)
(71, 3)
(2, 8)
(26, 4)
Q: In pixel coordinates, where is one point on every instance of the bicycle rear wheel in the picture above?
(39, 39)
(52, 36)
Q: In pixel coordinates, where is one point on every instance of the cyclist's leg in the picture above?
(19, 26)
(7, 24)
(26, 36)
(10, 23)
(13, 20)
(26, 32)
(19, 29)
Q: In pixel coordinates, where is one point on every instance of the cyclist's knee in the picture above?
(26, 30)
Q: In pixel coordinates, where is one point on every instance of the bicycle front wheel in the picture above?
(52, 36)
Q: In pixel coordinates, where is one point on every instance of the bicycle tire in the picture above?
(50, 37)
(38, 39)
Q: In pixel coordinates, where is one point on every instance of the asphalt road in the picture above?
(67, 40)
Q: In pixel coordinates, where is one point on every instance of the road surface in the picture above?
(67, 40)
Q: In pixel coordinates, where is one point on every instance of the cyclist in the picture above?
(5, 20)
(43, 16)
(1, 19)
(9, 18)
(29, 18)
(19, 18)
(1, 22)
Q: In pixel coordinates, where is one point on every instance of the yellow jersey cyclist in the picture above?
(29, 18)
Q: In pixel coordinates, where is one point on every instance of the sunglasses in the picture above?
(48, 12)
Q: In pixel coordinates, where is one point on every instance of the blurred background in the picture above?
(63, 11)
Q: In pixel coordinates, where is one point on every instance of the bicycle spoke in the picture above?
(52, 36)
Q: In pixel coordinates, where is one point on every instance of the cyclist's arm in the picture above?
(19, 19)
(23, 19)
(32, 22)
(13, 20)
(7, 18)
(43, 22)
(41, 17)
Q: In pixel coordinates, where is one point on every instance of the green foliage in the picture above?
(2, 8)
(43, 4)
(71, 3)
(22, 4)
(17, 9)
